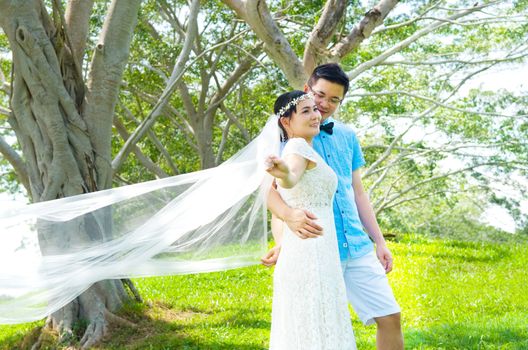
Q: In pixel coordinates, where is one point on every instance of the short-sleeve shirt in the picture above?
(342, 152)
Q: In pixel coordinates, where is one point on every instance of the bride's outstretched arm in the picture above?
(287, 172)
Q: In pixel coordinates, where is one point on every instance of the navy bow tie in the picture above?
(328, 128)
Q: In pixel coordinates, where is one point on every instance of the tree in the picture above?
(64, 123)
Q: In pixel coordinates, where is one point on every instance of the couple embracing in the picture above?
(323, 257)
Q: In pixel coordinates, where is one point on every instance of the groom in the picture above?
(364, 271)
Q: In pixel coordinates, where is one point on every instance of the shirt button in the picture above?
(342, 211)
(337, 191)
(345, 245)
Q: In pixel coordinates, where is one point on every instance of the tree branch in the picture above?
(397, 139)
(435, 178)
(383, 28)
(5, 111)
(177, 74)
(109, 61)
(468, 62)
(257, 15)
(170, 111)
(406, 42)
(235, 121)
(417, 197)
(435, 102)
(143, 159)
(243, 67)
(186, 130)
(223, 142)
(363, 30)
(16, 162)
(77, 18)
(322, 33)
(152, 136)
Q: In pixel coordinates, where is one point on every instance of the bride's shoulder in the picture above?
(297, 142)
(299, 146)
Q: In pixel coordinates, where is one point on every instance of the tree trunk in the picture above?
(65, 140)
(204, 140)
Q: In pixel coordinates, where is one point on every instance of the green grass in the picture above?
(454, 295)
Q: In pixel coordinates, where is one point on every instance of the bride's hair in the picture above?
(284, 106)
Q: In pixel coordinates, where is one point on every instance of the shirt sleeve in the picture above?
(358, 160)
(300, 147)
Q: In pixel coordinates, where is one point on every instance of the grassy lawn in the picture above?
(454, 295)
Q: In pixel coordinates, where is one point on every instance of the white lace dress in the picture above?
(310, 308)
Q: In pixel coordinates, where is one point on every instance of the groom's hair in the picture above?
(331, 72)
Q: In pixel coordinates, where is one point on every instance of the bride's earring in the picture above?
(285, 123)
(290, 132)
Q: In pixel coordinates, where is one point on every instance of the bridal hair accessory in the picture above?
(294, 102)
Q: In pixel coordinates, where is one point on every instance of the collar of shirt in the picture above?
(328, 120)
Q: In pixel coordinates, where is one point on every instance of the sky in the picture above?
(511, 79)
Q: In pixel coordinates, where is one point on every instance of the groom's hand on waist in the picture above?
(271, 257)
(302, 223)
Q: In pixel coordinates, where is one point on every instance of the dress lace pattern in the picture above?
(309, 300)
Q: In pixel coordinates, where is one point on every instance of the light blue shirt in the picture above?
(343, 154)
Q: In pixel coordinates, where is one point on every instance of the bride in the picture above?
(205, 221)
(310, 309)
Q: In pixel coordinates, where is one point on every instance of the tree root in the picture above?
(95, 331)
(127, 282)
(90, 315)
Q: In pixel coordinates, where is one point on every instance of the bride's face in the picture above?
(305, 122)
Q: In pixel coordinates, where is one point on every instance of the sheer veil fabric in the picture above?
(215, 219)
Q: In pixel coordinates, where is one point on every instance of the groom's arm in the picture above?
(301, 222)
(272, 255)
(368, 219)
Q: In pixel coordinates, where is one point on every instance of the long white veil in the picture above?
(210, 220)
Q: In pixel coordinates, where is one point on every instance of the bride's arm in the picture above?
(287, 171)
(301, 222)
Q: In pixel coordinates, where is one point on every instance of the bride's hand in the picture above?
(277, 167)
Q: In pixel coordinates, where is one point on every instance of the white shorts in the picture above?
(368, 288)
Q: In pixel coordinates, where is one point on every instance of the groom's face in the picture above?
(328, 96)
